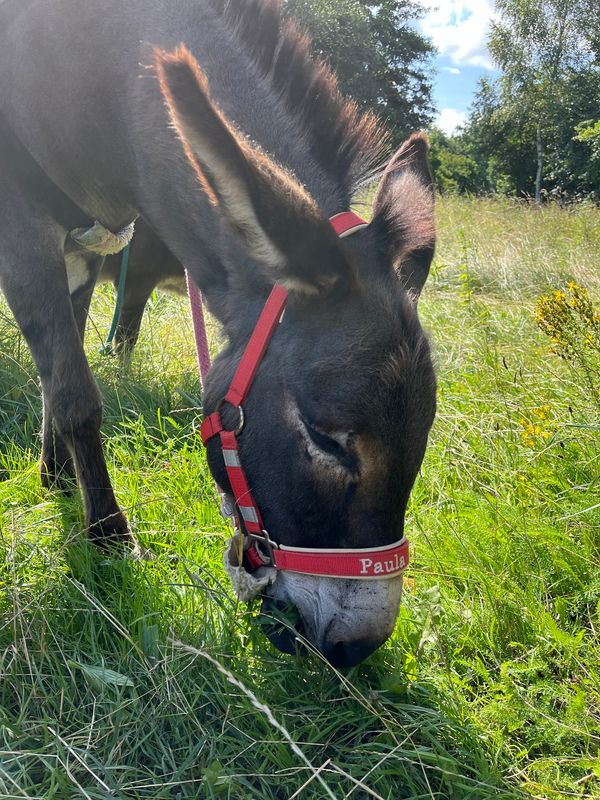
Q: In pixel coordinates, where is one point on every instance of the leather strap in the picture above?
(361, 563)
(257, 345)
(250, 361)
(347, 223)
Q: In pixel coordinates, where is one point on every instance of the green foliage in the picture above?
(535, 41)
(378, 55)
(529, 119)
(453, 170)
(490, 686)
(588, 133)
(502, 137)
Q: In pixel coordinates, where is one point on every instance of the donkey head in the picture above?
(338, 417)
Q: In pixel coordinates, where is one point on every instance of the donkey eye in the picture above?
(330, 445)
(323, 441)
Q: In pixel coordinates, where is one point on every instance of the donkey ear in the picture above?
(277, 220)
(403, 213)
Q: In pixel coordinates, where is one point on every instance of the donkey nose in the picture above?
(346, 620)
(348, 654)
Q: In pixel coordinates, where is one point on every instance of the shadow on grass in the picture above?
(99, 699)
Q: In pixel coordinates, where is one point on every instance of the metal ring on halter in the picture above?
(241, 417)
(264, 541)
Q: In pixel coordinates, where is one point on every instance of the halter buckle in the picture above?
(263, 542)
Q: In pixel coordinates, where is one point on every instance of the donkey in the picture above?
(236, 149)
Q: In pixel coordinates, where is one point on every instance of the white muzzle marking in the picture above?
(338, 609)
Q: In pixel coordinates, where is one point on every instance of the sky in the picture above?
(458, 29)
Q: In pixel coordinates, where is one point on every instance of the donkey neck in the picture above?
(167, 188)
(88, 109)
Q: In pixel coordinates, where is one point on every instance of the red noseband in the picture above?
(259, 549)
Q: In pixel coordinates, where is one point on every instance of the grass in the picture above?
(121, 679)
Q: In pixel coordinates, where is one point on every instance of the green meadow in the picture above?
(146, 679)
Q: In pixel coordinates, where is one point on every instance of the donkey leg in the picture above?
(130, 319)
(34, 281)
(57, 468)
(105, 520)
(150, 263)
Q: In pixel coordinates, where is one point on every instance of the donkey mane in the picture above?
(348, 145)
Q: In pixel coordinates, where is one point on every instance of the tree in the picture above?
(379, 57)
(588, 133)
(540, 44)
(571, 158)
(453, 168)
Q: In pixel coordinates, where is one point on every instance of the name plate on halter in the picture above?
(388, 561)
(372, 568)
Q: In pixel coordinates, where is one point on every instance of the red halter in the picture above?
(374, 562)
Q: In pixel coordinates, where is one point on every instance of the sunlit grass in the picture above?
(490, 685)
(515, 250)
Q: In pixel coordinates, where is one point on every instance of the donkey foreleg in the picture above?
(57, 469)
(34, 280)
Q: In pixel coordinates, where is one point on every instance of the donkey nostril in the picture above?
(348, 654)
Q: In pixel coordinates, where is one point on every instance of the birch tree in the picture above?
(536, 44)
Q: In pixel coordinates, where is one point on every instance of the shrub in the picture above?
(572, 322)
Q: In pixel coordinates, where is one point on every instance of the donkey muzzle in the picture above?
(345, 620)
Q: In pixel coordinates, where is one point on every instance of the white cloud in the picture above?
(459, 29)
(451, 70)
(449, 119)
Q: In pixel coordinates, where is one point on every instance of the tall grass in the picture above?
(147, 680)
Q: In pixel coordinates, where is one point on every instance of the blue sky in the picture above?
(458, 28)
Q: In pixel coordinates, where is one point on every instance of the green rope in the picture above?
(107, 347)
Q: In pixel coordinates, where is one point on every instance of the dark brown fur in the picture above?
(235, 158)
(349, 145)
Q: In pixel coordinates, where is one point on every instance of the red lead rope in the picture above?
(378, 562)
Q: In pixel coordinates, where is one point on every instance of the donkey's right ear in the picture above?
(278, 221)
(403, 213)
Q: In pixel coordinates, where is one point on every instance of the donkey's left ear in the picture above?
(403, 213)
(277, 220)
